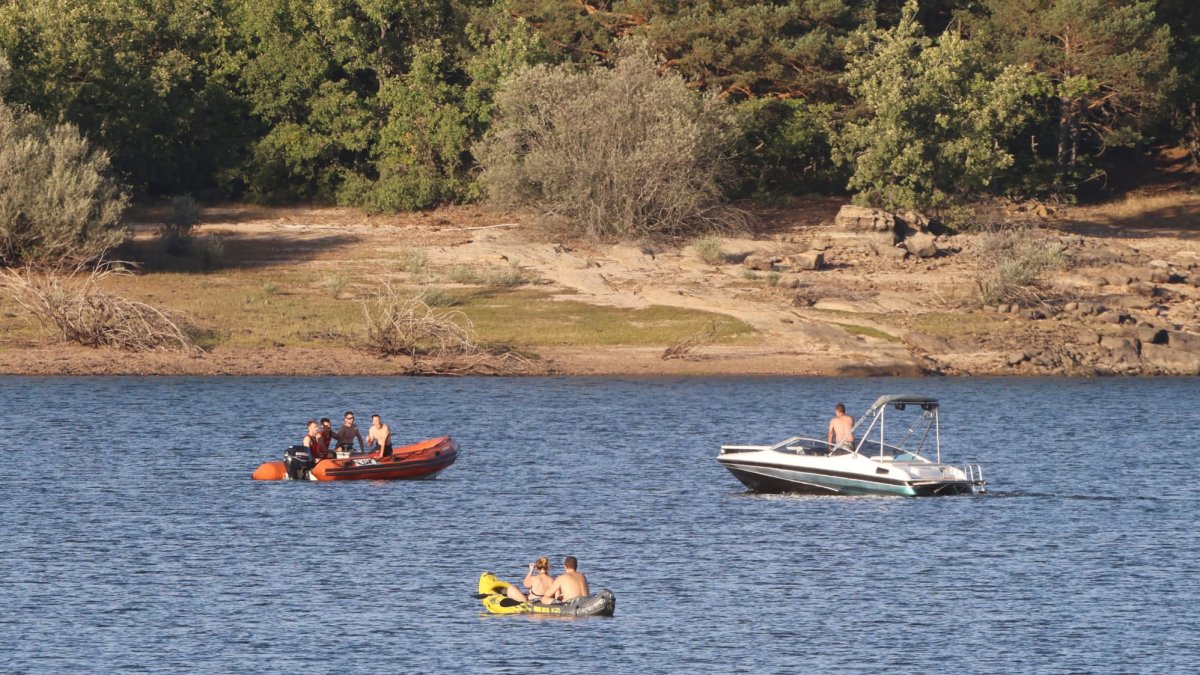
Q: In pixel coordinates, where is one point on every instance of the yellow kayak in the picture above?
(492, 592)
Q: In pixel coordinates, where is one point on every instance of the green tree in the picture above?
(371, 102)
(146, 79)
(1107, 63)
(738, 48)
(933, 116)
(1183, 16)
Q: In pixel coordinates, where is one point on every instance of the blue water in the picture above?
(133, 537)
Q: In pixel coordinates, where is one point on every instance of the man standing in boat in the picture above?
(569, 585)
(348, 432)
(379, 437)
(841, 427)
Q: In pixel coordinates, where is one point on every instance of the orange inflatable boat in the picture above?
(419, 460)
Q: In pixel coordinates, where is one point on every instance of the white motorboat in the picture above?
(869, 465)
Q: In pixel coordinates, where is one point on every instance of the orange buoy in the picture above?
(270, 471)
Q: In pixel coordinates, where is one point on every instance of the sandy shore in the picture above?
(1133, 268)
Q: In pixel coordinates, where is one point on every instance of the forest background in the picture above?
(383, 104)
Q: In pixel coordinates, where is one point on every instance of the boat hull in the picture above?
(776, 478)
(760, 479)
(410, 462)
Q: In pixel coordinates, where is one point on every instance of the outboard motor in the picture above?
(298, 461)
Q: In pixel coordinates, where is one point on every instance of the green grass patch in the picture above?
(294, 308)
(867, 331)
(532, 318)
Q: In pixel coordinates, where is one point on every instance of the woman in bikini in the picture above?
(536, 582)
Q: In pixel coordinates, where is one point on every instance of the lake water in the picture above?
(133, 537)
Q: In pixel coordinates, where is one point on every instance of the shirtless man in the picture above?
(379, 436)
(841, 426)
(347, 433)
(570, 584)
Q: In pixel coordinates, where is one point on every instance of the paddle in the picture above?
(504, 602)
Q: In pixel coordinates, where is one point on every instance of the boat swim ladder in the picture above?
(974, 473)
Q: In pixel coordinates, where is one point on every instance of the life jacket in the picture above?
(317, 445)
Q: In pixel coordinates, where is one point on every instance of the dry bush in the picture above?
(627, 152)
(438, 342)
(58, 204)
(1016, 262)
(403, 325)
(72, 303)
(709, 250)
(683, 348)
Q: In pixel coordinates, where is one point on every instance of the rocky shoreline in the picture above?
(829, 292)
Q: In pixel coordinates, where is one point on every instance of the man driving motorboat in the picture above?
(841, 427)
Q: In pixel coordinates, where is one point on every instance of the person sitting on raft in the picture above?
(569, 585)
(348, 432)
(314, 441)
(327, 433)
(537, 582)
(379, 437)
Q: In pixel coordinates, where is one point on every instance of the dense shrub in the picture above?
(176, 229)
(934, 117)
(621, 152)
(58, 204)
(784, 148)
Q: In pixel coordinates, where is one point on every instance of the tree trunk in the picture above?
(1067, 138)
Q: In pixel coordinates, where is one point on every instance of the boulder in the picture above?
(809, 260)
(1113, 316)
(1118, 344)
(1184, 342)
(852, 218)
(921, 244)
(757, 261)
(1087, 337)
(889, 250)
(1171, 360)
(1149, 335)
(1144, 289)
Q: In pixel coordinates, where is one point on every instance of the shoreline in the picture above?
(66, 360)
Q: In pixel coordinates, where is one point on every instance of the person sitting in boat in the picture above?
(314, 442)
(569, 585)
(327, 432)
(538, 580)
(348, 432)
(379, 437)
(841, 428)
